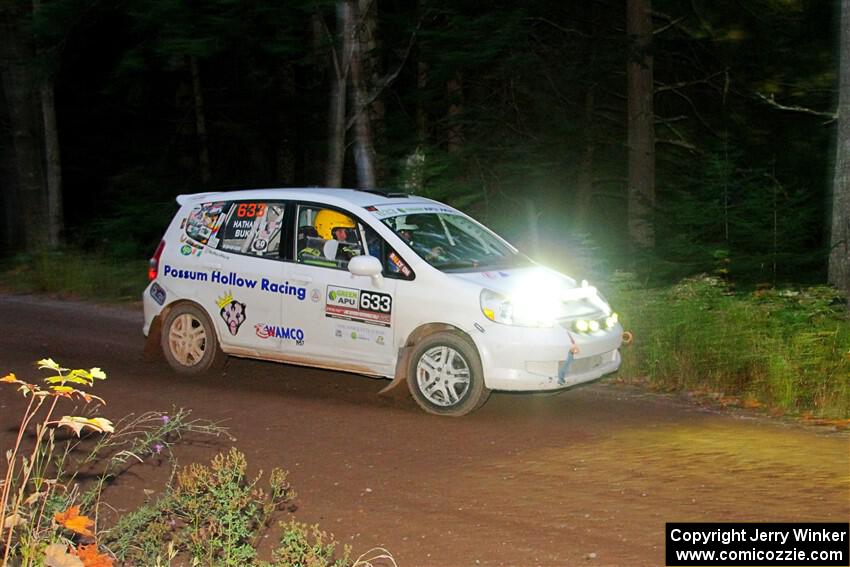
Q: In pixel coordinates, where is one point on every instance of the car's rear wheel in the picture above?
(188, 340)
(445, 375)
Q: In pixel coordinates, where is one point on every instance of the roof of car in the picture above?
(339, 197)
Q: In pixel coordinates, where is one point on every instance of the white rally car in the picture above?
(382, 284)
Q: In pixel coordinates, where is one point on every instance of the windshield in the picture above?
(451, 242)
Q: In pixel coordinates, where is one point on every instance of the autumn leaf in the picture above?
(34, 497)
(78, 423)
(97, 373)
(13, 521)
(56, 555)
(68, 378)
(49, 363)
(11, 378)
(91, 558)
(89, 397)
(72, 520)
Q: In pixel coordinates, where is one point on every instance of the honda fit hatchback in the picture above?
(382, 284)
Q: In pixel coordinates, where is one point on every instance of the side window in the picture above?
(330, 238)
(326, 237)
(253, 228)
(394, 265)
(204, 222)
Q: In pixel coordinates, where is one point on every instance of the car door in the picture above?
(246, 275)
(347, 321)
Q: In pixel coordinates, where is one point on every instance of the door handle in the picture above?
(301, 278)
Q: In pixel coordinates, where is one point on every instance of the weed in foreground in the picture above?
(33, 492)
(211, 515)
(48, 516)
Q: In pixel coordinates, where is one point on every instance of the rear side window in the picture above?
(204, 222)
(253, 228)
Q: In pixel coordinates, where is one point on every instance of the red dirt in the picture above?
(587, 476)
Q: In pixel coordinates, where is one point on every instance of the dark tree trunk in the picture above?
(584, 187)
(8, 186)
(422, 70)
(641, 123)
(22, 97)
(839, 255)
(372, 70)
(200, 122)
(454, 92)
(53, 165)
(52, 157)
(421, 111)
(285, 158)
(364, 149)
(336, 110)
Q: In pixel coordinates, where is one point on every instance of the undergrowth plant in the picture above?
(215, 515)
(29, 492)
(786, 349)
(75, 273)
(48, 517)
(209, 515)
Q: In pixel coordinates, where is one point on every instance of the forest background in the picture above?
(665, 139)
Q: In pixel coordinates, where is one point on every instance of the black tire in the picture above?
(188, 340)
(441, 390)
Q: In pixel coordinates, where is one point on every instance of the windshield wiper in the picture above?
(457, 264)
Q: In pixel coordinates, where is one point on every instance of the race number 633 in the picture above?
(373, 301)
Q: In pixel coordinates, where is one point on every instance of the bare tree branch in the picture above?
(571, 31)
(338, 68)
(387, 80)
(693, 106)
(683, 84)
(680, 143)
(801, 109)
(670, 24)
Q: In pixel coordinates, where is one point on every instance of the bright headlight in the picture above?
(496, 307)
(526, 310)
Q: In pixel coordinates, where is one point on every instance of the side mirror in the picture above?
(366, 265)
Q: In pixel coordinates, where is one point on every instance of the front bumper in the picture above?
(529, 359)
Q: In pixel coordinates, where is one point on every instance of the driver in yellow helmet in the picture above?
(333, 225)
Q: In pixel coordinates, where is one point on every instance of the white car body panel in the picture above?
(312, 328)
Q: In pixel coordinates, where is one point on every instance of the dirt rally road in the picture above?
(586, 477)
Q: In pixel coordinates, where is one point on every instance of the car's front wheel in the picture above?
(188, 340)
(445, 375)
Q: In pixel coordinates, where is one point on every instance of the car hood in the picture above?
(574, 299)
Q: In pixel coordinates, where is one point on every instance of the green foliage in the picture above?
(787, 349)
(307, 546)
(739, 223)
(76, 274)
(214, 513)
(42, 495)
